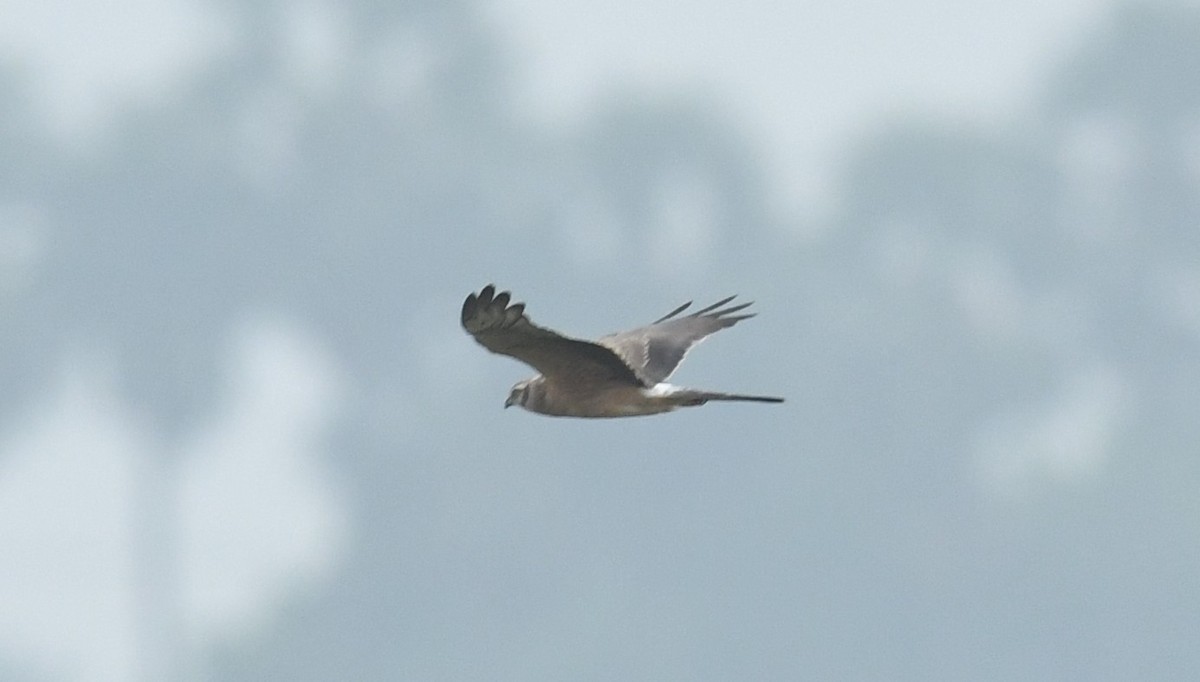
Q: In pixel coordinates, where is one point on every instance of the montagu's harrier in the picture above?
(620, 375)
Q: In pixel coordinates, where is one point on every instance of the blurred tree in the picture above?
(381, 180)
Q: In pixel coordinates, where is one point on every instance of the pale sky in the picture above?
(805, 78)
(804, 81)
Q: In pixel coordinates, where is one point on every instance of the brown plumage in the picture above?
(618, 375)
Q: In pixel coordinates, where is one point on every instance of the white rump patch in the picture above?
(661, 390)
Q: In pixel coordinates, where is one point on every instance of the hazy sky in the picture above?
(704, 540)
(803, 77)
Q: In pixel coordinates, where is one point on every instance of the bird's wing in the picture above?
(506, 329)
(656, 350)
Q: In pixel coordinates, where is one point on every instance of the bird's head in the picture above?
(526, 394)
(518, 395)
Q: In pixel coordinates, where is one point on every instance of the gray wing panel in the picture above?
(655, 351)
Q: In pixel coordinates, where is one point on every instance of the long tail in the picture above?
(690, 398)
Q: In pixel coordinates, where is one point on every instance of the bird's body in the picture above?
(620, 375)
(610, 399)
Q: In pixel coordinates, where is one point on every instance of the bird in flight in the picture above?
(619, 375)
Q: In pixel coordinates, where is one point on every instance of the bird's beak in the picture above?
(508, 403)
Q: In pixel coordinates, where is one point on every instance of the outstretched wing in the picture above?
(507, 330)
(656, 350)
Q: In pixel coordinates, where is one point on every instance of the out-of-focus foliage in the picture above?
(985, 470)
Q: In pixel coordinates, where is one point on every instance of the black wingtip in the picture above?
(491, 304)
(673, 313)
(468, 307)
(714, 306)
(734, 309)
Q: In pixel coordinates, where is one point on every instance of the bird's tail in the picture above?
(690, 398)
